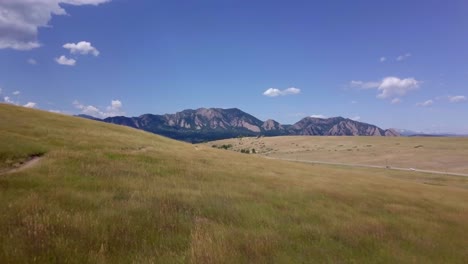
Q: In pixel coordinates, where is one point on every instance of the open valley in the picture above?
(441, 154)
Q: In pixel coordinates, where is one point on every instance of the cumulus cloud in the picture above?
(82, 47)
(403, 57)
(457, 98)
(392, 86)
(273, 92)
(383, 59)
(16, 92)
(356, 118)
(87, 109)
(8, 100)
(426, 103)
(115, 109)
(20, 20)
(30, 105)
(396, 101)
(63, 60)
(389, 87)
(32, 61)
(318, 116)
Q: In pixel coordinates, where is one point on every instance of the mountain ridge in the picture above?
(206, 124)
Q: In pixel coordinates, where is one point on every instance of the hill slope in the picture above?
(206, 124)
(106, 193)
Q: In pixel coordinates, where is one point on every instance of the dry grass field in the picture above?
(445, 154)
(111, 194)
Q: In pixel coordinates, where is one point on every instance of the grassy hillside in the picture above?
(111, 194)
(447, 154)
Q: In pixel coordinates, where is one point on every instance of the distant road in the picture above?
(372, 166)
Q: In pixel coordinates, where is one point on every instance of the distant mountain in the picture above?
(409, 133)
(203, 124)
(206, 124)
(438, 135)
(337, 126)
(89, 117)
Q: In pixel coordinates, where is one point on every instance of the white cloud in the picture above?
(383, 59)
(116, 104)
(318, 116)
(394, 86)
(63, 60)
(426, 103)
(30, 105)
(8, 100)
(389, 86)
(82, 47)
(403, 57)
(291, 90)
(20, 20)
(364, 85)
(457, 98)
(354, 102)
(396, 101)
(273, 92)
(356, 118)
(32, 61)
(115, 109)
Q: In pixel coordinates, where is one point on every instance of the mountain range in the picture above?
(410, 133)
(206, 124)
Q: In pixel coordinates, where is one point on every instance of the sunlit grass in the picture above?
(445, 154)
(112, 194)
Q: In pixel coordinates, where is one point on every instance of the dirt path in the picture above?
(372, 166)
(26, 165)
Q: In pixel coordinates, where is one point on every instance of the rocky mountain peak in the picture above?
(271, 124)
(205, 124)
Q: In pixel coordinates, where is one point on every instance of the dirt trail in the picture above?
(26, 165)
(372, 166)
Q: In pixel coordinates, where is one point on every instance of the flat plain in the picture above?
(102, 193)
(444, 154)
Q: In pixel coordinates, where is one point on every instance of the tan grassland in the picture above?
(103, 193)
(445, 154)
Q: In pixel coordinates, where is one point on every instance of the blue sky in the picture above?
(400, 64)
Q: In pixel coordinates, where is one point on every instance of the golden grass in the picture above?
(446, 154)
(111, 194)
